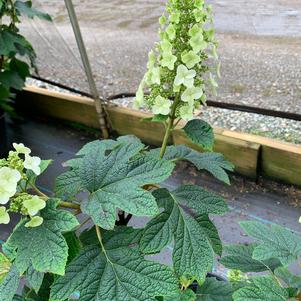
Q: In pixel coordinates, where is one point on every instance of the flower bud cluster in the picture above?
(180, 67)
(13, 178)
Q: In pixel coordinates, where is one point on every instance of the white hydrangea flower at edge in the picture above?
(34, 205)
(192, 94)
(33, 163)
(186, 112)
(4, 216)
(9, 179)
(184, 76)
(161, 106)
(36, 221)
(139, 99)
(21, 148)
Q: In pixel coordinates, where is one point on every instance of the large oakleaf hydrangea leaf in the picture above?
(214, 163)
(200, 133)
(264, 289)
(114, 178)
(214, 290)
(10, 284)
(43, 247)
(185, 218)
(275, 242)
(239, 257)
(116, 272)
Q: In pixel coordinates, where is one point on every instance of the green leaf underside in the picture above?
(239, 257)
(200, 133)
(213, 163)
(34, 278)
(214, 290)
(264, 289)
(184, 217)
(43, 247)
(124, 275)
(114, 180)
(10, 284)
(275, 242)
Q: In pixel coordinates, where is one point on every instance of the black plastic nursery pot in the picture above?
(3, 135)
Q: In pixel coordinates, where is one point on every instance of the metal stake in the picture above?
(84, 56)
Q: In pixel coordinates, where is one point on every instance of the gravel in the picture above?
(260, 51)
(273, 127)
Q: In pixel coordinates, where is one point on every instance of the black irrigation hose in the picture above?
(210, 103)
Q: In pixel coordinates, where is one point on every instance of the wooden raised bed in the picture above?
(252, 155)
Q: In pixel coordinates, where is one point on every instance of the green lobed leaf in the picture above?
(214, 290)
(25, 8)
(187, 295)
(74, 245)
(34, 278)
(11, 79)
(5, 266)
(44, 247)
(239, 257)
(115, 182)
(11, 43)
(213, 163)
(290, 279)
(156, 118)
(10, 284)
(200, 133)
(275, 242)
(121, 273)
(185, 214)
(67, 184)
(44, 292)
(264, 289)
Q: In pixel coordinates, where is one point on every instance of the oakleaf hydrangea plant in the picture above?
(79, 242)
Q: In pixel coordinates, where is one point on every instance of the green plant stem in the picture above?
(69, 205)
(170, 126)
(39, 192)
(99, 236)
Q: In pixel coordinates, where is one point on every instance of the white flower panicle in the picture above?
(179, 69)
(13, 183)
(33, 163)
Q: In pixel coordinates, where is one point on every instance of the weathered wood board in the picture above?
(252, 155)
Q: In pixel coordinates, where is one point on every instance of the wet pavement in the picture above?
(266, 201)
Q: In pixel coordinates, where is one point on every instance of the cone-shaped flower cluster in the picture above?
(13, 182)
(181, 66)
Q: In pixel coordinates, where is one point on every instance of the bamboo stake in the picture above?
(84, 56)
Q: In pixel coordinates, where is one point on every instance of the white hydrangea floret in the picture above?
(21, 148)
(33, 163)
(9, 179)
(184, 76)
(161, 106)
(139, 99)
(36, 221)
(186, 112)
(34, 205)
(4, 216)
(192, 94)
